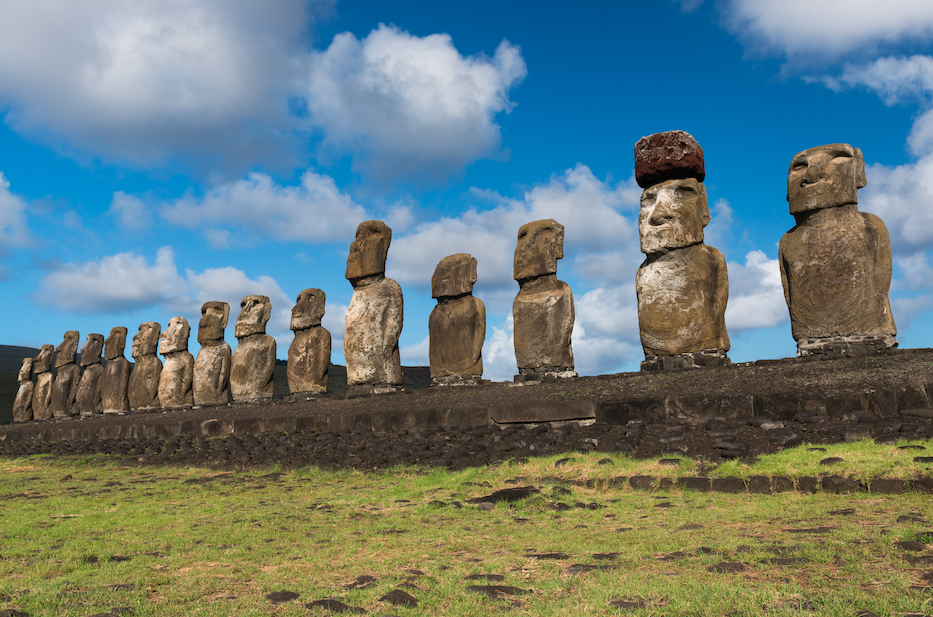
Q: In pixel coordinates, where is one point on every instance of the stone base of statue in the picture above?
(697, 359)
(369, 389)
(544, 373)
(457, 380)
(295, 397)
(845, 346)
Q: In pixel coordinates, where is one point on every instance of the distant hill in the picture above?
(11, 357)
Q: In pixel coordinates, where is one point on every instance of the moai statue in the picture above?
(457, 325)
(144, 380)
(254, 359)
(22, 405)
(88, 400)
(374, 318)
(836, 261)
(177, 375)
(682, 285)
(65, 387)
(42, 395)
(212, 367)
(115, 384)
(543, 309)
(309, 353)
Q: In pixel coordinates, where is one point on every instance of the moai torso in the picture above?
(65, 387)
(211, 380)
(373, 326)
(144, 380)
(42, 394)
(22, 405)
(88, 399)
(115, 383)
(309, 353)
(176, 378)
(253, 360)
(457, 325)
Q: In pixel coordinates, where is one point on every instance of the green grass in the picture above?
(203, 542)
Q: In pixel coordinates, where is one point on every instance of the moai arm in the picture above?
(480, 337)
(883, 266)
(568, 329)
(393, 320)
(782, 248)
(269, 366)
(720, 292)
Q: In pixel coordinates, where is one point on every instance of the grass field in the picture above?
(84, 537)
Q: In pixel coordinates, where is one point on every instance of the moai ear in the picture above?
(559, 239)
(860, 179)
(703, 205)
(223, 321)
(472, 270)
(266, 311)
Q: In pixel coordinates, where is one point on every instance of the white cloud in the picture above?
(142, 80)
(408, 105)
(828, 27)
(901, 196)
(499, 352)
(893, 79)
(756, 294)
(257, 207)
(13, 229)
(719, 232)
(918, 273)
(417, 354)
(131, 212)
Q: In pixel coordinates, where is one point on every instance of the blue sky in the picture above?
(156, 155)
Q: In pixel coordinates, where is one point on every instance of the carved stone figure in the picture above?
(374, 318)
(254, 358)
(177, 375)
(836, 261)
(88, 400)
(309, 353)
(42, 395)
(22, 405)
(682, 285)
(65, 387)
(212, 367)
(457, 325)
(144, 380)
(542, 312)
(115, 384)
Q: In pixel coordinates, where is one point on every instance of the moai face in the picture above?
(254, 314)
(673, 214)
(25, 371)
(65, 353)
(369, 251)
(90, 353)
(454, 276)
(146, 340)
(825, 177)
(43, 362)
(540, 245)
(115, 343)
(309, 309)
(214, 316)
(175, 337)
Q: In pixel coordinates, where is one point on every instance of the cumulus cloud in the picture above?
(829, 27)
(756, 294)
(901, 196)
(407, 105)
(140, 81)
(13, 229)
(131, 213)
(257, 207)
(893, 79)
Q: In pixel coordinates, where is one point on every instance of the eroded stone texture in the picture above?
(22, 405)
(253, 360)
(88, 398)
(212, 366)
(543, 311)
(65, 387)
(42, 394)
(682, 286)
(374, 318)
(177, 376)
(457, 325)
(115, 383)
(143, 390)
(309, 353)
(836, 261)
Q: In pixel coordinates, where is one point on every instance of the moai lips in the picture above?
(211, 385)
(457, 325)
(309, 353)
(253, 361)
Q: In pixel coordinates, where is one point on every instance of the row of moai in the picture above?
(835, 267)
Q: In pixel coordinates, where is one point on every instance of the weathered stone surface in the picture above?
(253, 362)
(65, 387)
(42, 394)
(177, 376)
(836, 262)
(668, 155)
(374, 319)
(22, 405)
(543, 311)
(309, 353)
(457, 325)
(88, 399)
(211, 379)
(143, 392)
(115, 343)
(115, 382)
(93, 346)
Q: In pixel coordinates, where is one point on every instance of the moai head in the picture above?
(540, 245)
(65, 353)
(146, 340)
(369, 251)
(309, 309)
(25, 371)
(115, 343)
(214, 316)
(825, 177)
(90, 353)
(454, 276)
(43, 362)
(175, 337)
(254, 314)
